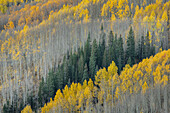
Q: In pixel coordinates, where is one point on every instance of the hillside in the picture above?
(40, 39)
(141, 88)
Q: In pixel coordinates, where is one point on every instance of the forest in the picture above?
(84, 56)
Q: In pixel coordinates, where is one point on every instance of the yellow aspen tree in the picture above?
(164, 16)
(164, 80)
(117, 92)
(27, 109)
(144, 87)
(90, 85)
(9, 25)
(112, 69)
(84, 84)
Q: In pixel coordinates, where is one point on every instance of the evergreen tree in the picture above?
(80, 68)
(70, 68)
(40, 92)
(31, 101)
(87, 51)
(21, 106)
(142, 48)
(92, 63)
(102, 35)
(120, 64)
(95, 49)
(110, 46)
(5, 108)
(130, 52)
(120, 53)
(152, 50)
(60, 77)
(101, 50)
(116, 50)
(129, 61)
(85, 73)
(100, 55)
(105, 59)
(65, 66)
(147, 45)
(50, 85)
(110, 37)
(97, 68)
(139, 52)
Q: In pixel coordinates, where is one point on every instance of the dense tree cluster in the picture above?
(136, 89)
(37, 34)
(31, 14)
(83, 64)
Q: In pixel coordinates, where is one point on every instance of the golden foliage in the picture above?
(132, 80)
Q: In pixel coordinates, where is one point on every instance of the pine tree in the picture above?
(129, 61)
(40, 93)
(120, 64)
(66, 73)
(85, 73)
(105, 59)
(87, 51)
(115, 50)
(50, 85)
(101, 50)
(70, 68)
(80, 68)
(130, 52)
(95, 50)
(142, 48)
(100, 55)
(92, 63)
(111, 49)
(60, 77)
(5, 109)
(110, 37)
(138, 52)
(120, 52)
(147, 45)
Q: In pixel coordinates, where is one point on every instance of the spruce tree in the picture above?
(142, 48)
(65, 71)
(60, 77)
(129, 61)
(101, 50)
(5, 108)
(119, 64)
(130, 52)
(70, 69)
(110, 46)
(102, 34)
(138, 52)
(100, 55)
(116, 50)
(110, 39)
(50, 84)
(93, 57)
(85, 73)
(87, 51)
(105, 59)
(147, 45)
(120, 53)
(80, 68)
(40, 92)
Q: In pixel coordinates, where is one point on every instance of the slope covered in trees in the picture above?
(30, 51)
(30, 14)
(141, 88)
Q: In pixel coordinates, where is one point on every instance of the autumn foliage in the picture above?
(112, 88)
